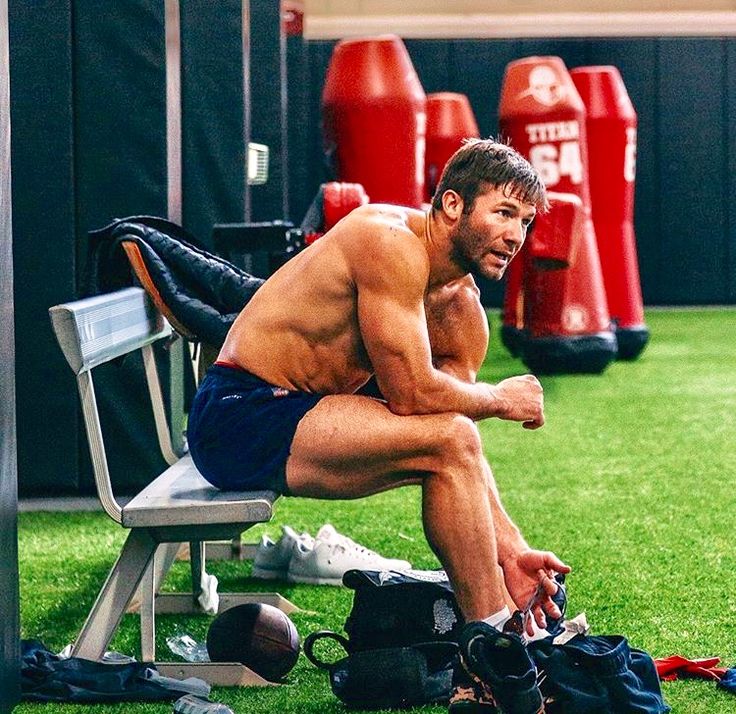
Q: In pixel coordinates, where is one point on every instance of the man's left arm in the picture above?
(458, 329)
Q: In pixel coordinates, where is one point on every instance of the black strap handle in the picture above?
(323, 635)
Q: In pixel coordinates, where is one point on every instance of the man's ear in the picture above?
(452, 204)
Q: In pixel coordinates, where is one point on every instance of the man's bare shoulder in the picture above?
(384, 235)
(466, 284)
(464, 290)
(381, 220)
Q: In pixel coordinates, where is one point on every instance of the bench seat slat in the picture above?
(181, 496)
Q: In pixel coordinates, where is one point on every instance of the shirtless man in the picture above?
(388, 292)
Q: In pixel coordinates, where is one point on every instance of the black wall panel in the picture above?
(297, 69)
(119, 113)
(44, 238)
(120, 169)
(573, 52)
(268, 107)
(213, 137)
(319, 60)
(477, 71)
(692, 159)
(730, 169)
(431, 59)
(9, 607)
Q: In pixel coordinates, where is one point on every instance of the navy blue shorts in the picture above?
(240, 429)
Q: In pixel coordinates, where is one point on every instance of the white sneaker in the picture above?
(331, 555)
(273, 558)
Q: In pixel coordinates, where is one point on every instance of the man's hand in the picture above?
(520, 399)
(529, 578)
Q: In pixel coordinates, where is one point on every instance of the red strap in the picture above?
(675, 666)
(228, 363)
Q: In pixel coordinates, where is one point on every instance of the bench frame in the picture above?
(177, 507)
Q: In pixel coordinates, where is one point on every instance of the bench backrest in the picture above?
(98, 329)
(95, 330)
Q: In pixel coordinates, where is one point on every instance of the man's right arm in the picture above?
(390, 293)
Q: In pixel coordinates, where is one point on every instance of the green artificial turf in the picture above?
(630, 481)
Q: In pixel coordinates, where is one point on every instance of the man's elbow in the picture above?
(410, 393)
(402, 407)
(408, 404)
(399, 399)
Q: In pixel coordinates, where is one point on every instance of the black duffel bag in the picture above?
(395, 609)
(389, 677)
(401, 643)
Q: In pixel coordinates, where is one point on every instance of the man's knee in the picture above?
(460, 443)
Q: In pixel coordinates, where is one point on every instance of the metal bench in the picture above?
(179, 506)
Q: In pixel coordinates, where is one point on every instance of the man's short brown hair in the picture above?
(482, 164)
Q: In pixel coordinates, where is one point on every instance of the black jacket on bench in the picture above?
(203, 291)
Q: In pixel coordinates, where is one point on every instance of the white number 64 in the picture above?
(553, 163)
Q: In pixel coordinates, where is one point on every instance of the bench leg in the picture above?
(147, 592)
(196, 565)
(116, 593)
(165, 557)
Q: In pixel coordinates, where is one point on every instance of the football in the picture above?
(259, 636)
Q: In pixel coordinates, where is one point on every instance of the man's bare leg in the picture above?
(352, 446)
(458, 334)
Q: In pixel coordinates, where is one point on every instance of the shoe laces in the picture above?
(303, 540)
(476, 690)
(347, 545)
(463, 694)
(353, 549)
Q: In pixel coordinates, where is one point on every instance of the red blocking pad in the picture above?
(450, 119)
(611, 128)
(554, 240)
(340, 199)
(562, 303)
(543, 116)
(374, 112)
